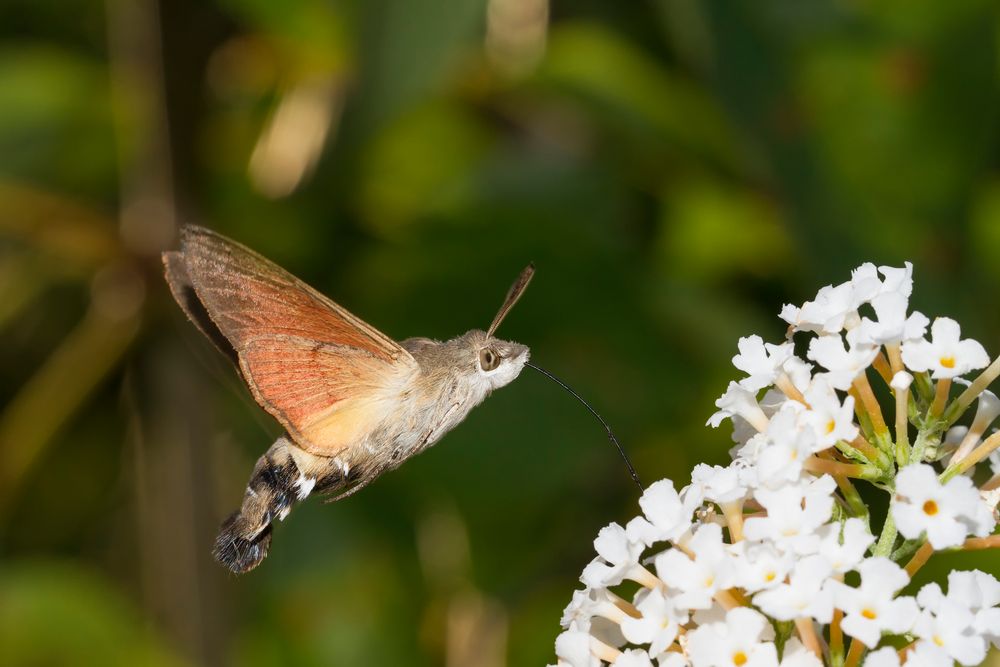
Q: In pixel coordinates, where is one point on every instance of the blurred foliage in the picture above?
(677, 169)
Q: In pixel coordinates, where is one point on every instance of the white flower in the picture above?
(799, 372)
(833, 308)
(884, 657)
(797, 655)
(844, 545)
(760, 565)
(871, 608)
(587, 604)
(973, 590)
(738, 401)
(803, 596)
(987, 409)
(926, 654)
(947, 513)
(740, 641)
(794, 514)
(830, 419)
(897, 280)
(672, 659)
(722, 485)
(659, 624)
(901, 381)
(786, 447)
(945, 355)
(700, 578)
(760, 361)
(573, 646)
(797, 548)
(668, 514)
(950, 627)
(617, 556)
(892, 326)
(633, 658)
(843, 364)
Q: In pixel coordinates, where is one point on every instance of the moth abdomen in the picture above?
(241, 546)
(276, 484)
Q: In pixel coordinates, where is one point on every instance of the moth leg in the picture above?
(277, 483)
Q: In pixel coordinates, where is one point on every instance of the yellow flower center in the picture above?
(869, 614)
(770, 576)
(930, 508)
(709, 581)
(947, 362)
(830, 425)
(938, 640)
(739, 658)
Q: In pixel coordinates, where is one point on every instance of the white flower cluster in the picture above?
(772, 560)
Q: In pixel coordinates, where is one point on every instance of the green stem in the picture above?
(964, 400)
(924, 438)
(905, 550)
(922, 381)
(888, 537)
(853, 498)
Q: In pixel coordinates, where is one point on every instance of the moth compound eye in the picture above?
(488, 359)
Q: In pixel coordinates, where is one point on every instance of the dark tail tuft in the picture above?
(239, 546)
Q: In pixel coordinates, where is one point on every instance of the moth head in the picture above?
(500, 361)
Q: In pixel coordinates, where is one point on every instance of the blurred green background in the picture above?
(676, 168)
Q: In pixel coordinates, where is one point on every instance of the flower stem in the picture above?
(895, 358)
(851, 495)
(836, 639)
(854, 653)
(867, 396)
(888, 537)
(603, 651)
(860, 445)
(807, 633)
(857, 470)
(727, 600)
(925, 388)
(733, 513)
(784, 383)
(902, 427)
(919, 559)
(905, 550)
(644, 577)
(924, 438)
(940, 397)
(882, 367)
(974, 457)
(965, 399)
(976, 543)
(625, 606)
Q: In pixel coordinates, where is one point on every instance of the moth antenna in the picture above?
(611, 435)
(513, 294)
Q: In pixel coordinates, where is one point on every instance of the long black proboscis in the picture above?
(611, 435)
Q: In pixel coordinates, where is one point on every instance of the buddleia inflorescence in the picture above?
(775, 559)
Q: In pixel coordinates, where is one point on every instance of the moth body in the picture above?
(354, 402)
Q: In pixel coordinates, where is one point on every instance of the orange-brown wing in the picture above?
(247, 295)
(318, 369)
(327, 396)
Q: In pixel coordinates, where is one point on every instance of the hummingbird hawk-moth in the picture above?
(353, 402)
